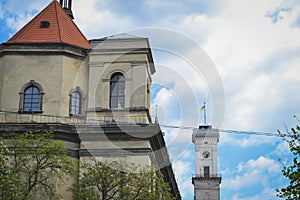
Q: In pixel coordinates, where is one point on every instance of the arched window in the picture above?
(31, 97)
(76, 102)
(117, 90)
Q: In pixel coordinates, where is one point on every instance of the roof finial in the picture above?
(67, 5)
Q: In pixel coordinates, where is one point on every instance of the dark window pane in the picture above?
(32, 99)
(117, 91)
(35, 90)
(35, 108)
(76, 103)
(26, 107)
(35, 100)
(121, 89)
(113, 102)
(206, 172)
(121, 102)
(28, 90)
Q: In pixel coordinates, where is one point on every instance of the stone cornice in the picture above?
(43, 49)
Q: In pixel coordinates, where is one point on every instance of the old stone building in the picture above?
(93, 94)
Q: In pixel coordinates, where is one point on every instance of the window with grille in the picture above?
(31, 98)
(76, 101)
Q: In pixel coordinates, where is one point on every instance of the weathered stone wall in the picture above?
(56, 72)
(131, 58)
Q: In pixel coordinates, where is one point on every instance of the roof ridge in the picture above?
(58, 24)
(58, 6)
(74, 24)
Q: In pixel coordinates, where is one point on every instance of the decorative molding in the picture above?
(139, 62)
(115, 152)
(46, 49)
(96, 64)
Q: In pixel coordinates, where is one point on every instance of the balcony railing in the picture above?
(207, 176)
(14, 117)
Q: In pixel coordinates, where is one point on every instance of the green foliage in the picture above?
(292, 171)
(120, 180)
(149, 184)
(8, 181)
(34, 162)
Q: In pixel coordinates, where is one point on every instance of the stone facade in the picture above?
(57, 68)
(131, 57)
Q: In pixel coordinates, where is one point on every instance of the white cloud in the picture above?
(240, 46)
(181, 170)
(266, 98)
(261, 164)
(17, 22)
(13, 6)
(267, 193)
(96, 21)
(243, 181)
(242, 35)
(282, 149)
(167, 105)
(248, 49)
(242, 43)
(17, 16)
(246, 142)
(252, 173)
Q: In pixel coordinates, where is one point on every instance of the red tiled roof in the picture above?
(62, 29)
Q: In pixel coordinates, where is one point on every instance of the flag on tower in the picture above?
(204, 112)
(202, 108)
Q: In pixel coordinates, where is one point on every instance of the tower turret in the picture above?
(206, 181)
(67, 5)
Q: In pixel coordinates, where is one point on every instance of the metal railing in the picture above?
(15, 117)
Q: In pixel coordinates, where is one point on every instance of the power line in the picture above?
(178, 127)
(227, 131)
(250, 132)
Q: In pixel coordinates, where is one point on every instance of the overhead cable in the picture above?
(227, 131)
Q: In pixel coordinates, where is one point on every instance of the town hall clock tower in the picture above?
(206, 180)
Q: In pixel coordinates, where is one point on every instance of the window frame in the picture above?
(75, 103)
(80, 104)
(117, 91)
(206, 171)
(22, 101)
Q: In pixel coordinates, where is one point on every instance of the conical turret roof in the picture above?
(51, 25)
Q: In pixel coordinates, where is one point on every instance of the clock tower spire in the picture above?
(206, 181)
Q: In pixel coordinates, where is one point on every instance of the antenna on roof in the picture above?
(156, 119)
(67, 5)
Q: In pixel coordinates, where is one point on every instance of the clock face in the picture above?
(206, 154)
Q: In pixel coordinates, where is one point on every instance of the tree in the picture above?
(148, 183)
(292, 171)
(33, 161)
(120, 180)
(8, 182)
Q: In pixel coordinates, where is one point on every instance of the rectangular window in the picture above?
(206, 172)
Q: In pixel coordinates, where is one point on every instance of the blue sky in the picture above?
(241, 56)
